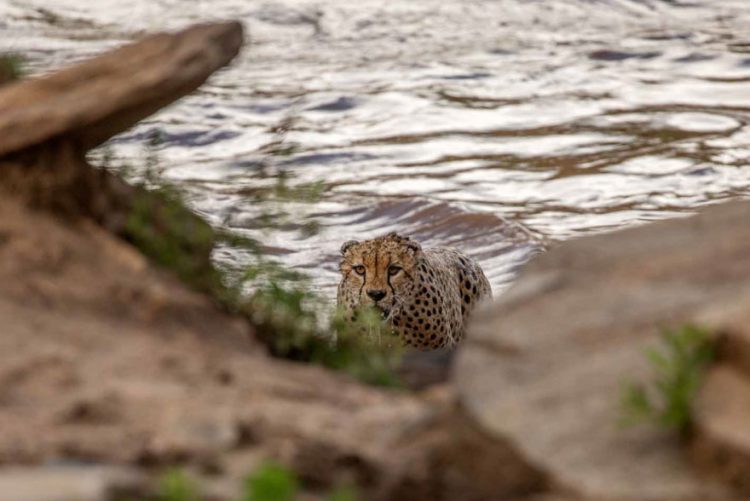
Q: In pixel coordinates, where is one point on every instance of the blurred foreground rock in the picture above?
(108, 361)
(48, 124)
(68, 483)
(721, 442)
(94, 100)
(545, 367)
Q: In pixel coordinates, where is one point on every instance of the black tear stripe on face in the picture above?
(388, 281)
(364, 280)
(377, 254)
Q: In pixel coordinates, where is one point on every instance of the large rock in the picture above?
(721, 431)
(545, 366)
(71, 483)
(94, 100)
(47, 124)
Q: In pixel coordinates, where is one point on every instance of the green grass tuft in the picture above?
(176, 486)
(678, 369)
(343, 493)
(11, 67)
(271, 482)
(174, 237)
(365, 348)
(289, 319)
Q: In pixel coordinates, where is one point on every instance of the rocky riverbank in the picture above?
(113, 369)
(547, 365)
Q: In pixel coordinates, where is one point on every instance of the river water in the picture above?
(500, 127)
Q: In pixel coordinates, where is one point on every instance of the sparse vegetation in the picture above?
(293, 321)
(11, 67)
(163, 228)
(678, 368)
(175, 238)
(175, 485)
(270, 482)
(343, 493)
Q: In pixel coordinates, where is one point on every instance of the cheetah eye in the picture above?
(359, 269)
(393, 269)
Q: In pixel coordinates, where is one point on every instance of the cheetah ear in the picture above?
(413, 245)
(409, 242)
(347, 245)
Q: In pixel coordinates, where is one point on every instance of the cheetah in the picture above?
(425, 296)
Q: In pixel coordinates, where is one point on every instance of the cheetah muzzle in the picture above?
(425, 296)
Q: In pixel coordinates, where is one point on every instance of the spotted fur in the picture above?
(425, 295)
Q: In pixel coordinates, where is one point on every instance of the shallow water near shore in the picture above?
(497, 127)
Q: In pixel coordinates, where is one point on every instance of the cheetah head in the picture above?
(380, 272)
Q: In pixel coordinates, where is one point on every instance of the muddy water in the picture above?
(496, 126)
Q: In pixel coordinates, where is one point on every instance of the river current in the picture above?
(500, 127)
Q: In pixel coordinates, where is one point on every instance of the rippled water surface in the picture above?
(499, 127)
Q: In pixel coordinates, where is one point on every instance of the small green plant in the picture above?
(275, 482)
(343, 493)
(152, 160)
(678, 369)
(175, 238)
(271, 482)
(365, 348)
(288, 317)
(11, 67)
(176, 486)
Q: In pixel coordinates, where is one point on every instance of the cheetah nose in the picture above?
(376, 295)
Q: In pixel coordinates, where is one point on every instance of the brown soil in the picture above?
(111, 360)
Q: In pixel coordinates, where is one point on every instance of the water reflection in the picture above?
(499, 127)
